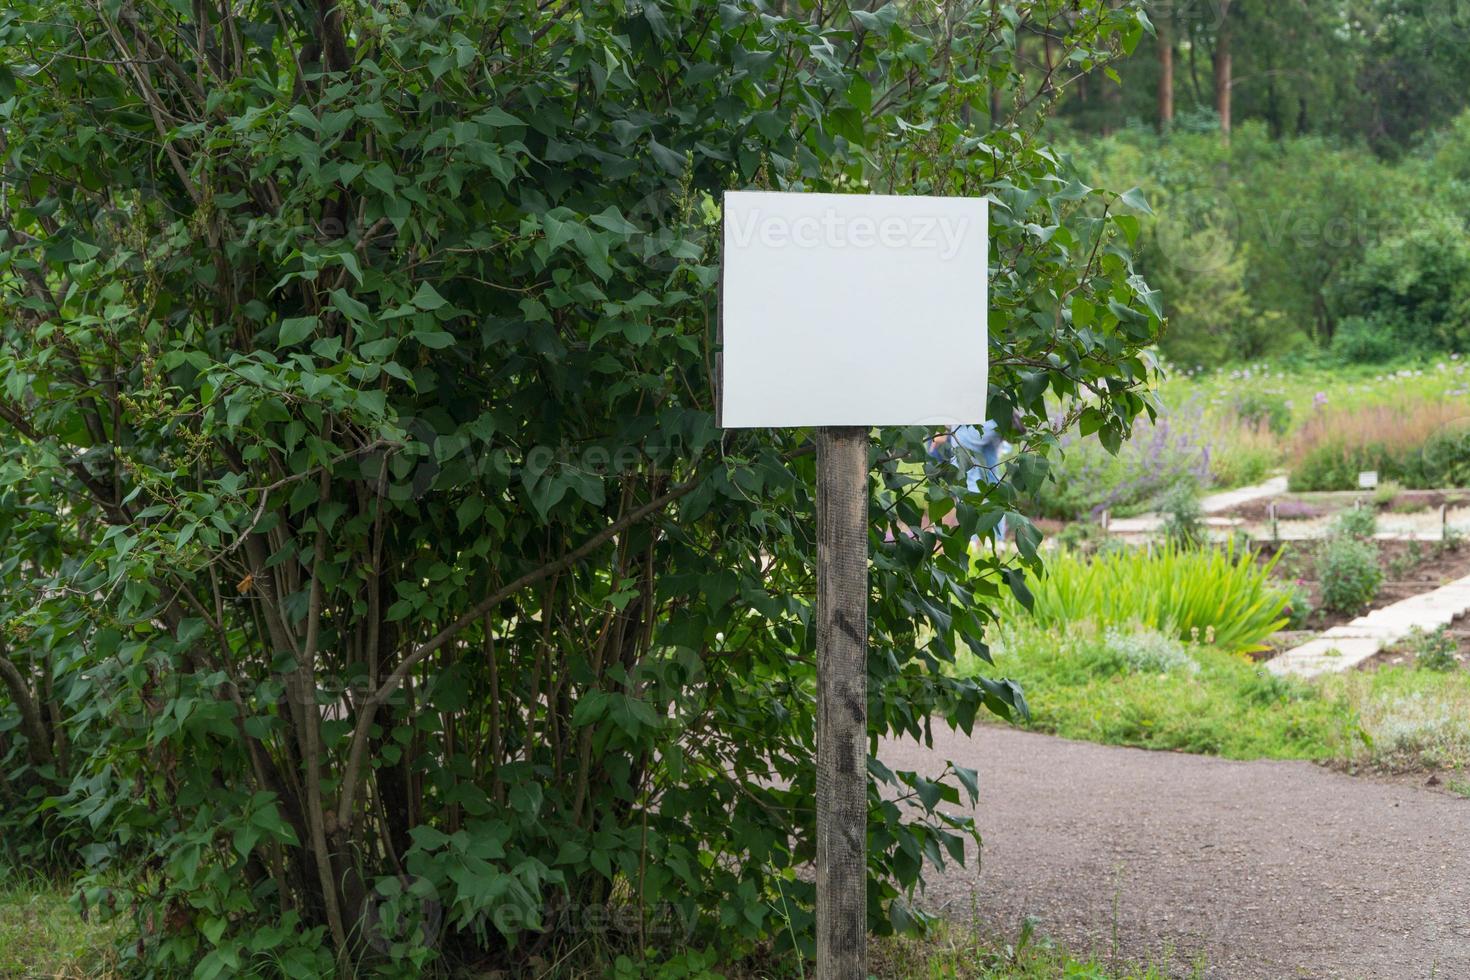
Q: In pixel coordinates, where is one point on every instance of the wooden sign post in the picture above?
(843, 312)
(842, 702)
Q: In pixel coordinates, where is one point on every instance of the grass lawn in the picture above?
(41, 935)
(958, 952)
(1340, 386)
(1080, 686)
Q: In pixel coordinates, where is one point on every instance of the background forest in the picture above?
(1309, 166)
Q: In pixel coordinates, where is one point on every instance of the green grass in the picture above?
(42, 935)
(957, 952)
(1078, 687)
(1354, 386)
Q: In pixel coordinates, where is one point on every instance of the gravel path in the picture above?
(1216, 502)
(1265, 869)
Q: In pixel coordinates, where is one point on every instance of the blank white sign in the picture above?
(853, 309)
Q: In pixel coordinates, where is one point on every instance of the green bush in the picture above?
(1433, 649)
(1147, 651)
(1411, 291)
(1386, 493)
(1334, 466)
(1086, 479)
(1251, 265)
(1418, 443)
(1217, 596)
(1364, 340)
(1358, 522)
(1348, 573)
(1263, 408)
(1443, 460)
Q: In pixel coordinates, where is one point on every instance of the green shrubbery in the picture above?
(1409, 292)
(1348, 573)
(1416, 444)
(1357, 254)
(1364, 340)
(1257, 408)
(1433, 649)
(1086, 479)
(1358, 522)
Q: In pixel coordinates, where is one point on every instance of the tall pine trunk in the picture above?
(1222, 70)
(1166, 76)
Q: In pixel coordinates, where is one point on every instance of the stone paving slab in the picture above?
(1344, 647)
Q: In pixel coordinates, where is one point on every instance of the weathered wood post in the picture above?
(842, 702)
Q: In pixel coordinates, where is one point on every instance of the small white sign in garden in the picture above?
(1368, 479)
(843, 312)
(853, 309)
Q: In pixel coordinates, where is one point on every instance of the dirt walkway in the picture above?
(1267, 869)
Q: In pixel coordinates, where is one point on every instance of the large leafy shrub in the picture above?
(1364, 340)
(1411, 290)
(378, 587)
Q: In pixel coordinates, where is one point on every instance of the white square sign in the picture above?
(853, 309)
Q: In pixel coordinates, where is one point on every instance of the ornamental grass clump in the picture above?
(1217, 596)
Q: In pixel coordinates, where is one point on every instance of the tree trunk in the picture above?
(842, 703)
(1112, 96)
(1166, 76)
(1222, 70)
(38, 740)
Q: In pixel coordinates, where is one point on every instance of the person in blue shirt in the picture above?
(983, 444)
